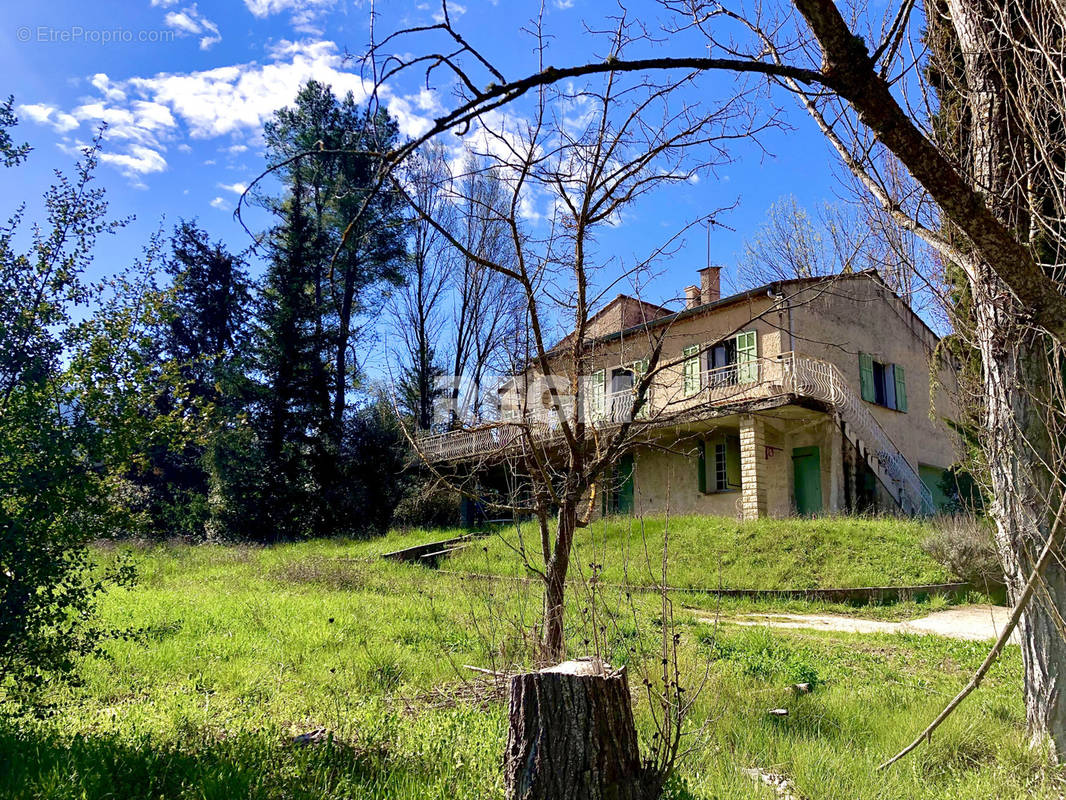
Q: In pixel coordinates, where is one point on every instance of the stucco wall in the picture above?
(837, 322)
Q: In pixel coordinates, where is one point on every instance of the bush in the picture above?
(428, 505)
(963, 544)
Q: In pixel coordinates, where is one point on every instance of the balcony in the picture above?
(675, 393)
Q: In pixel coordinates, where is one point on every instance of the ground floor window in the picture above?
(719, 464)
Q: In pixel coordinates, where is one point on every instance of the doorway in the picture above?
(807, 468)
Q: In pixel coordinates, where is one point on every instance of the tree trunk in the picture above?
(572, 736)
(1015, 368)
(1014, 361)
(555, 584)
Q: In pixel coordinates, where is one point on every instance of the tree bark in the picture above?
(1014, 368)
(1015, 365)
(555, 584)
(572, 736)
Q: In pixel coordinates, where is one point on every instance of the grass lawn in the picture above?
(242, 648)
(708, 553)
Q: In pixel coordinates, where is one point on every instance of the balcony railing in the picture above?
(669, 396)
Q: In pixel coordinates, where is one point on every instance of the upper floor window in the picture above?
(729, 362)
(882, 383)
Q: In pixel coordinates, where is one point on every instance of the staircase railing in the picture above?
(823, 381)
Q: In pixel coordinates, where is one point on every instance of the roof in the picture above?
(773, 288)
(622, 313)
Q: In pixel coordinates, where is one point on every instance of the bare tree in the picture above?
(420, 315)
(994, 179)
(487, 305)
(625, 139)
(792, 244)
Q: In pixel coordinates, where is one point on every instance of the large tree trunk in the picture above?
(1014, 357)
(1015, 367)
(572, 736)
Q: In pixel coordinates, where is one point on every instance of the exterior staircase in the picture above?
(821, 380)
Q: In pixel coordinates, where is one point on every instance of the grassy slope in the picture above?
(711, 552)
(244, 647)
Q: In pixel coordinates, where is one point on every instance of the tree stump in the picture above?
(571, 735)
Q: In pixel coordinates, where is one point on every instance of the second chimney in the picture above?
(692, 296)
(710, 285)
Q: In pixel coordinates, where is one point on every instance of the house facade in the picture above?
(807, 396)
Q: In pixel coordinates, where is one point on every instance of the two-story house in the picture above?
(805, 396)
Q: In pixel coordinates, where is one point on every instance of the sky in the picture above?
(185, 88)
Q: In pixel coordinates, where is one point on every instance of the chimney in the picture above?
(692, 296)
(710, 285)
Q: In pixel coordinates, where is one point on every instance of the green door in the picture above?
(807, 465)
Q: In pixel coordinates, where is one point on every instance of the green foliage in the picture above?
(428, 504)
(57, 491)
(309, 460)
(11, 154)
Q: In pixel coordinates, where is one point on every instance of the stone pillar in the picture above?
(835, 447)
(752, 468)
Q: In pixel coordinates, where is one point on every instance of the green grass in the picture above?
(841, 552)
(242, 648)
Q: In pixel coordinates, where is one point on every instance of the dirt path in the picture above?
(974, 623)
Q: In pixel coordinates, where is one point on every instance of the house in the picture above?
(805, 396)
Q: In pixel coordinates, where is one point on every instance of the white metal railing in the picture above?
(823, 381)
(670, 395)
(667, 397)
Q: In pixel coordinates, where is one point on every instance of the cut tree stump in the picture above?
(571, 736)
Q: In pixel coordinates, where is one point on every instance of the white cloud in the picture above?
(220, 204)
(562, 5)
(140, 160)
(232, 102)
(189, 21)
(236, 188)
(49, 115)
(305, 13)
(454, 10)
(240, 98)
(102, 83)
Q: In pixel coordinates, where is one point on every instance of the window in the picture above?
(724, 363)
(734, 360)
(747, 358)
(719, 464)
(882, 383)
(691, 369)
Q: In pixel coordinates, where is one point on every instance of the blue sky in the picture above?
(185, 88)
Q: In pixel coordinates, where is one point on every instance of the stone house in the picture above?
(805, 396)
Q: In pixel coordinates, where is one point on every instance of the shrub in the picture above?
(963, 544)
(428, 505)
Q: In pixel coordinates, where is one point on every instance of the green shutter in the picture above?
(691, 369)
(701, 467)
(866, 377)
(901, 389)
(732, 461)
(597, 398)
(747, 357)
